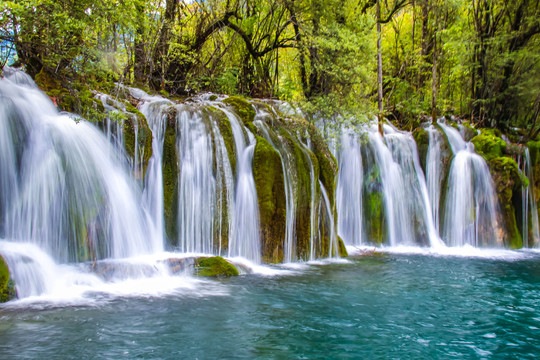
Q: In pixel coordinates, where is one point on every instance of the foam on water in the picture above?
(466, 251)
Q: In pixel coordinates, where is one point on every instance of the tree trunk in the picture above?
(434, 77)
(157, 79)
(139, 62)
(379, 71)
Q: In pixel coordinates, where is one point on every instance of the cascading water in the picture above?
(435, 172)
(245, 239)
(74, 196)
(197, 184)
(392, 170)
(291, 183)
(471, 202)
(313, 239)
(349, 190)
(113, 129)
(205, 178)
(333, 241)
(154, 109)
(67, 195)
(407, 201)
(529, 212)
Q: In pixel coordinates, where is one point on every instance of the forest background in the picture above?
(342, 61)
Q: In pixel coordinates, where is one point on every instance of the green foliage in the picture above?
(438, 57)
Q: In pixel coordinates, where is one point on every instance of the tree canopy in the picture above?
(476, 59)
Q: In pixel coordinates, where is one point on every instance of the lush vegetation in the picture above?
(341, 60)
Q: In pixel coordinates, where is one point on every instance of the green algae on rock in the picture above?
(269, 182)
(242, 108)
(170, 172)
(488, 144)
(7, 287)
(215, 266)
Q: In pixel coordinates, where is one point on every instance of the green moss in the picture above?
(7, 287)
(269, 182)
(421, 137)
(374, 211)
(214, 267)
(508, 183)
(242, 108)
(534, 152)
(74, 96)
(170, 170)
(226, 132)
(213, 97)
(327, 163)
(47, 82)
(342, 250)
(489, 145)
(303, 195)
(135, 121)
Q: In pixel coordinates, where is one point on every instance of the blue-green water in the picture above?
(406, 306)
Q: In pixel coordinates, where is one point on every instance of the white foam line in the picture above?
(465, 251)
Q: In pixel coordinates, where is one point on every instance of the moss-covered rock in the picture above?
(7, 287)
(342, 250)
(373, 202)
(242, 108)
(74, 96)
(137, 133)
(269, 182)
(327, 162)
(421, 137)
(170, 168)
(534, 152)
(508, 183)
(302, 194)
(225, 130)
(215, 266)
(468, 131)
(489, 144)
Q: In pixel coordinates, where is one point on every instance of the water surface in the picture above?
(391, 305)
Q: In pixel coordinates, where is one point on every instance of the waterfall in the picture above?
(434, 172)
(391, 168)
(471, 202)
(313, 198)
(529, 208)
(197, 184)
(291, 183)
(333, 250)
(113, 126)
(349, 190)
(408, 203)
(155, 111)
(74, 196)
(245, 239)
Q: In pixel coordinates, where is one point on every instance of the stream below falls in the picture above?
(407, 303)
